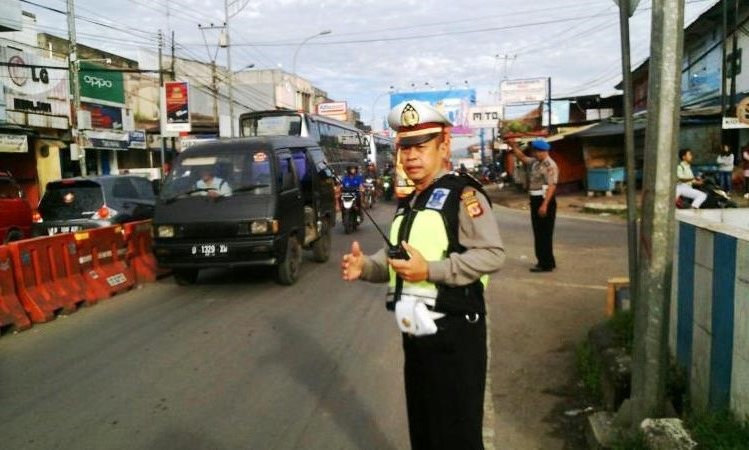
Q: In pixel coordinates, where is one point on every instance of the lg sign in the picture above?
(18, 72)
(97, 82)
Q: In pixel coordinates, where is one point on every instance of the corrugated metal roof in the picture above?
(570, 131)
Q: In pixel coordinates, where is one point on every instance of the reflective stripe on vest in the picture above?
(428, 235)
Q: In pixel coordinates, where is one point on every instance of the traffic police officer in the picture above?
(451, 237)
(542, 188)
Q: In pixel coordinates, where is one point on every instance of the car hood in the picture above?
(206, 209)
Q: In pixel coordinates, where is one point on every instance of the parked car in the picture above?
(15, 211)
(75, 204)
(245, 202)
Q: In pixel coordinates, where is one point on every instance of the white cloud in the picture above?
(581, 56)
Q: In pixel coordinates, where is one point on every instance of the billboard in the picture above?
(485, 116)
(523, 91)
(101, 84)
(455, 104)
(33, 85)
(176, 110)
(103, 116)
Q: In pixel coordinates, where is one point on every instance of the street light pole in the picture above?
(626, 9)
(296, 53)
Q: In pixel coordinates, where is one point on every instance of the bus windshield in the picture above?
(272, 125)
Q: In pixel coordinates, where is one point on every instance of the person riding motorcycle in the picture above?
(386, 181)
(352, 181)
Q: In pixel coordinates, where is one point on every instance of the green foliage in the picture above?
(636, 442)
(589, 369)
(718, 431)
(622, 325)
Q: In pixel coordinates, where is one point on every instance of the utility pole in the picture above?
(626, 9)
(505, 58)
(650, 353)
(162, 114)
(228, 66)
(173, 77)
(75, 87)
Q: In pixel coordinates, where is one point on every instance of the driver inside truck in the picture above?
(212, 185)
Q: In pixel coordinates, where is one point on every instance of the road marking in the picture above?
(488, 425)
(561, 284)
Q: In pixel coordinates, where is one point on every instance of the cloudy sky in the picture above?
(375, 45)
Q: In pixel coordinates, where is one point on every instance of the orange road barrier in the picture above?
(101, 254)
(37, 267)
(139, 255)
(12, 315)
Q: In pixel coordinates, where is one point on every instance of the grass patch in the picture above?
(622, 325)
(636, 442)
(589, 369)
(718, 431)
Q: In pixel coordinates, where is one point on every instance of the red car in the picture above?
(15, 212)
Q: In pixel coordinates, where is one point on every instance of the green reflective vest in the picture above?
(431, 225)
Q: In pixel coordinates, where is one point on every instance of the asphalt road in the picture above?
(239, 362)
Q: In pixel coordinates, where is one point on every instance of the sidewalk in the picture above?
(578, 203)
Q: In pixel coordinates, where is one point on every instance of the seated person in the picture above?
(685, 180)
(216, 187)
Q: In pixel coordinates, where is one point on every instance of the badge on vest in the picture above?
(438, 198)
(473, 207)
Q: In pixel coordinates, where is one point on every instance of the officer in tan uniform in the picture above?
(444, 241)
(544, 176)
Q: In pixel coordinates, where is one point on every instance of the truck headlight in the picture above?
(165, 231)
(264, 226)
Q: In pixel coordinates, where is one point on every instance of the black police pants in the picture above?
(445, 375)
(543, 231)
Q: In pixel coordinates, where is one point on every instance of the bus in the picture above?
(380, 151)
(343, 144)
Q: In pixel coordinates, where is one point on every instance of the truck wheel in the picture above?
(288, 270)
(185, 277)
(321, 247)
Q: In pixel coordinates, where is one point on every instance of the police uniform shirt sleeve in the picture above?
(479, 233)
(551, 171)
(375, 267)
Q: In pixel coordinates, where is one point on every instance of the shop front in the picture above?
(34, 124)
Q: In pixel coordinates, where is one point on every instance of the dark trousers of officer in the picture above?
(445, 376)
(543, 231)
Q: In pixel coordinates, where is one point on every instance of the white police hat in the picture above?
(416, 122)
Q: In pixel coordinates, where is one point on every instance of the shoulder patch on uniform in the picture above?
(471, 203)
(438, 198)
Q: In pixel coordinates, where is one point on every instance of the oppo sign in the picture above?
(97, 82)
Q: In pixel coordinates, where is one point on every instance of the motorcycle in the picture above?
(717, 198)
(387, 187)
(350, 215)
(368, 197)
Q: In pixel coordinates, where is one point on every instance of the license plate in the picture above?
(55, 230)
(209, 250)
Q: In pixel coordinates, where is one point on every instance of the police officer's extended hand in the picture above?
(352, 263)
(414, 269)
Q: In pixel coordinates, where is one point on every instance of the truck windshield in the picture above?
(219, 175)
(272, 125)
